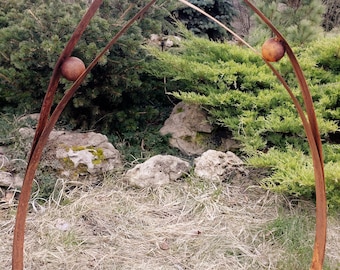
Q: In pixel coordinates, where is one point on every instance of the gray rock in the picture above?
(219, 166)
(189, 127)
(73, 154)
(156, 171)
(10, 180)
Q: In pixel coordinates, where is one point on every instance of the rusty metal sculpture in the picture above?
(48, 120)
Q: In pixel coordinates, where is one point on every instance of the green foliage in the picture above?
(11, 139)
(16, 150)
(200, 25)
(240, 93)
(299, 21)
(140, 145)
(117, 95)
(293, 172)
(294, 234)
(293, 231)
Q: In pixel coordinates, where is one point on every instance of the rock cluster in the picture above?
(73, 154)
(211, 165)
(76, 156)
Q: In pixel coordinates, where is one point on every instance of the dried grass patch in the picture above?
(190, 224)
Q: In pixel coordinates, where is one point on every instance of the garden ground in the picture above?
(189, 224)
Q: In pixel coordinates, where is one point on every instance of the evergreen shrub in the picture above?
(240, 93)
(117, 96)
(223, 10)
(299, 21)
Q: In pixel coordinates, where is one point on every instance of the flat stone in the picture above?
(156, 171)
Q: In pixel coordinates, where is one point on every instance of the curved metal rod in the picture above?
(46, 123)
(34, 158)
(310, 126)
(314, 140)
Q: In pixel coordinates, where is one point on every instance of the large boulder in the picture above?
(156, 171)
(219, 166)
(189, 129)
(192, 133)
(73, 154)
